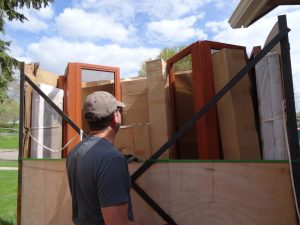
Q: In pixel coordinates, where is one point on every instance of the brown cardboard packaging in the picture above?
(157, 104)
(134, 95)
(185, 109)
(142, 140)
(134, 140)
(45, 77)
(235, 110)
(124, 140)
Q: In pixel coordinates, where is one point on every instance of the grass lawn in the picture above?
(9, 142)
(8, 163)
(8, 197)
(8, 130)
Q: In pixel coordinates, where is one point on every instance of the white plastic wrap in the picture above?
(270, 103)
(46, 123)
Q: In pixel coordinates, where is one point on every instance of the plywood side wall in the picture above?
(190, 192)
(218, 194)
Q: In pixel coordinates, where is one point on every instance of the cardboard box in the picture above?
(157, 104)
(142, 140)
(124, 140)
(46, 77)
(134, 140)
(134, 95)
(184, 96)
(235, 110)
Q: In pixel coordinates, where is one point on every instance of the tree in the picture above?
(9, 11)
(165, 54)
(181, 65)
(9, 113)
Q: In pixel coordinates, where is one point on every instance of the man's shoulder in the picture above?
(102, 148)
(112, 153)
(94, 148)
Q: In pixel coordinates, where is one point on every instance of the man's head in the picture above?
(101, 109)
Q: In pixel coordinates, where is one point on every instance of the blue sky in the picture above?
(124, 33)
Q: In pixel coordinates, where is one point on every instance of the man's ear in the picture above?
(116, 119)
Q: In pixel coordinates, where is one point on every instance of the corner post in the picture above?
(291, 122)
(21, 141)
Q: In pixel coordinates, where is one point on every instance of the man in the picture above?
(98, 174)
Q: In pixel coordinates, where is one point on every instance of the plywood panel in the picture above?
(221, 193)
(45, 196)
(191, 193)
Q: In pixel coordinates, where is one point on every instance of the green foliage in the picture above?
(9, 111)
(7, 64)
(8, 130)
(9, 141)
(165, 54)
(8, 197)
(142, 71)
(9, 125)
(181, 65)
(8, 10)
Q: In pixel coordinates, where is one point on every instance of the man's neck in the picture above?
(108, 134)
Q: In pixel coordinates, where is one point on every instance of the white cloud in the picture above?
(78, 23)
(172, 9)
(119, 10)
(175, 31)
(37, 20)
(55, 53)
(226, 5)
(33, 25)
(45, 13)
(152, 9)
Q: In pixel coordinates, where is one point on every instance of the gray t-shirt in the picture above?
(98, 177)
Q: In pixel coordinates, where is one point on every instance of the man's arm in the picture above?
(116, 215)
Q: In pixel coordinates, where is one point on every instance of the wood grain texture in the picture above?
(192, 193)
(218, 193)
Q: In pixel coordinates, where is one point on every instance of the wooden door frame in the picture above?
(72, 97)
(207, 128)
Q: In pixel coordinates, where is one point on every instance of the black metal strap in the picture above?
(54, 106)
(245, 70)
(153, 204)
